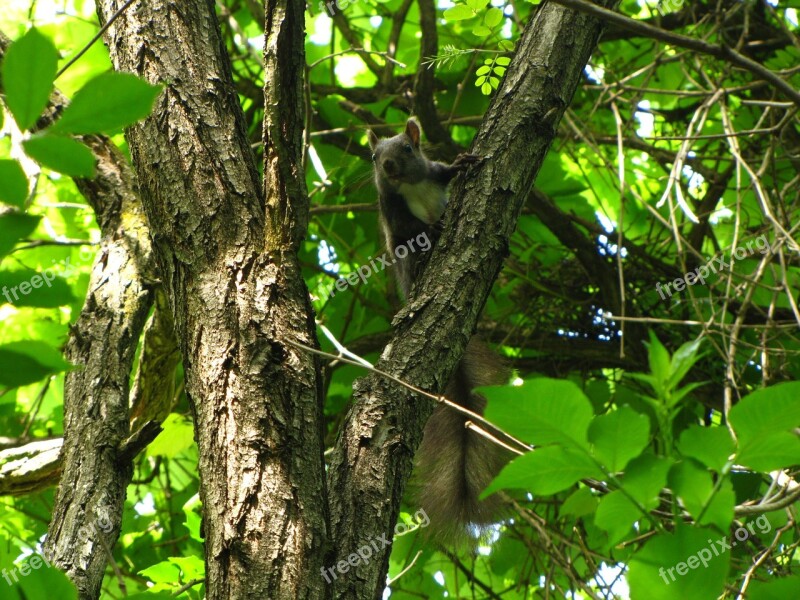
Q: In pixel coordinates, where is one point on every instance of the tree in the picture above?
(662, 219)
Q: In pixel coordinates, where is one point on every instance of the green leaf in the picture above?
(44, 353)
(541, 411)
(679, 565)
(192, 509)
(500, 71)
(178, 435)
(779, 450)
(22, 365)
(481, 31)
(684, 359)
(477, 4)
(678, 395)
(658, 358)
(580, 503)
(504, 61)
(712, 446)
(544, 471)
(480, 81)
(645, 477)
(616, 515)
(192, 567)
(770, 409)
(775, 589)
(31, 288)
(108, 103)
(691, 484)
(618, 437)
(13, 227)
(459, 12)
(493, 17)
(29, 70)
(720, 510)
(483, 70)
(62, 154)
(45, 582)
(14, 183)
(163, 572)
(762, 421)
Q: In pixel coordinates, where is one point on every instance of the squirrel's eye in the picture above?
(407, 147)
(374, 158)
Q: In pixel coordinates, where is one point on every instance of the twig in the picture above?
(189, 585)
(757, 509)
(683, 41)
(489, 436)
(39, 243)
(404, 571)
(760, 560)
(340, 208)
(385, 55)
(97, 36)
(342, 350)
(416, 390)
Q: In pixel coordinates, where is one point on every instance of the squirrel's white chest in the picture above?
(426, 200)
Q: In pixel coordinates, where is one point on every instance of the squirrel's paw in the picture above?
(464, 160)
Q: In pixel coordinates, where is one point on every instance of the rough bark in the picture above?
(91, 492)
(30, 467)
(229, 266)
(87, 514)
(373, 455)
(153, 393)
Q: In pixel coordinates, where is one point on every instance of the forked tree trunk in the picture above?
(227, 253)
(228, 261)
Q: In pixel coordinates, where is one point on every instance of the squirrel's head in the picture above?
(399, 159)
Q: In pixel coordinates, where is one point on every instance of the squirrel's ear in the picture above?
(373, 139)
(412, 131)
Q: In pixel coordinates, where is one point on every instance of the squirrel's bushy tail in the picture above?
(455, 464)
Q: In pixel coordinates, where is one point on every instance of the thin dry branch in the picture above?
(683, 41)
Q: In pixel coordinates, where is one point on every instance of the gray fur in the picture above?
(453, 464)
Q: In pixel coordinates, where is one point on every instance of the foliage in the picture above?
(648, 451)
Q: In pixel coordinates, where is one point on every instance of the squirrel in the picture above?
(453, 464)
(412, 193)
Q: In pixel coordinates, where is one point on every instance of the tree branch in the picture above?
(683, 41)
(102, 343)
(424, 104)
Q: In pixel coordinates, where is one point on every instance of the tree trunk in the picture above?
(228, 261)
